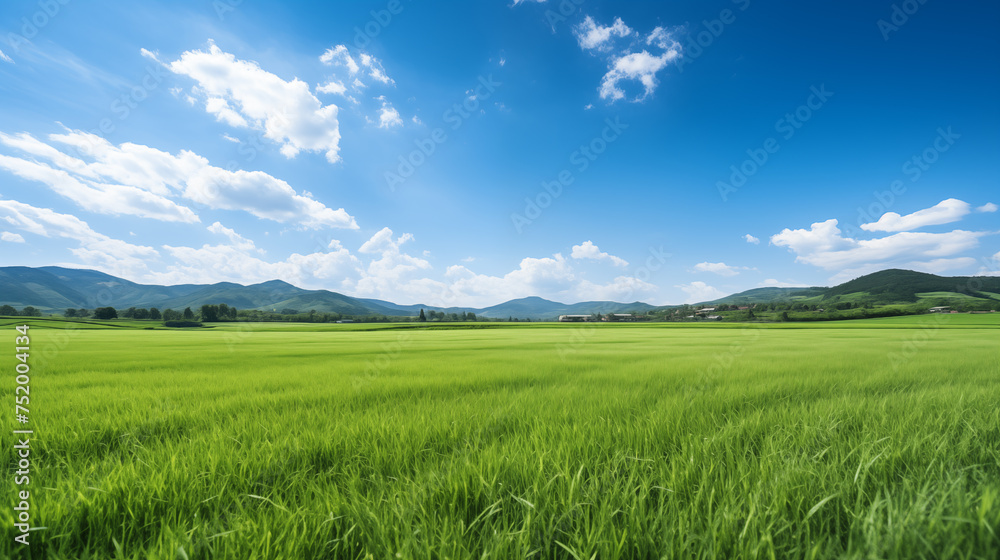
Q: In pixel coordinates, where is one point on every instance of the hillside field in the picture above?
(855, 439)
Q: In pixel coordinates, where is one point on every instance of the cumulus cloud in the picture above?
(587, 250)
(237, 240)
(388, 116)
(95, 249)
(988, 207)
(662, 39)
(722, 269)
(333, 86)
(824, 246)
(5, 58)
(11, 237)
(944, 212)
(751, 239)
(375, 69)
(591, 35)
(628, 64)
(640, 66)
(138, 180)
(697, 292)
(340, 56)
(243, 95)
(239, 262)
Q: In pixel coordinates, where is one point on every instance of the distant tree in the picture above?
(470, 316)
(289, 311)
(82, 313)
(129, 313)
(70, 313)
(784, 316)
(223, 312)
(423, 318)
(750, 314)
(188, 314)
(31, 312)
(154, 314)
(7, 310)
(142, 313)
(171, 315)
(105, 313)
(210, 313)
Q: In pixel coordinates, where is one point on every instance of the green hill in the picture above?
(894, 285)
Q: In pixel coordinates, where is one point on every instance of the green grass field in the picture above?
(854, 439)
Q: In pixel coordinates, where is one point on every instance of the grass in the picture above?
(857, 439)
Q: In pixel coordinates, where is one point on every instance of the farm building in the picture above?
(573, 318)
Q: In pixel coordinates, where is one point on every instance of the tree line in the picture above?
(29, 311)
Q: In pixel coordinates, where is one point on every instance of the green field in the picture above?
(853, 439)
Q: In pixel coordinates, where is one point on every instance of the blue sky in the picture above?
(457, 153)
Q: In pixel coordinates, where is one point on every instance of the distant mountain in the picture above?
(54, 289)
(880, 288)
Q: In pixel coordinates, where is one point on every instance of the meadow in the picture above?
(853, 439)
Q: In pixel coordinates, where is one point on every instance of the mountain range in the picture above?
(54, 289)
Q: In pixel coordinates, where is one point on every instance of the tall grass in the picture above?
(541, 442)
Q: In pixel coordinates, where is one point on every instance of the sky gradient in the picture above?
(465, 154)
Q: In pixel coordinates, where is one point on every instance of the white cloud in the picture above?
(823, 246)
(388, 116)
(939, 266)
(5, 58)
(751, 239)
(944, 212)
(237, 240)
(988, 207)
(772, 283)
(587, 250)
(339, 56)
(375, 69)
(640, 66)
(95, 249)
(153, 177)
(697, 292)
(722, 269)
(333, 86)
(590, 35)
(336, 269)
(991, 266)
(11, 237)
(242, 94)
(662, 39)
(232, 139)
(625, 289)
(92, 195)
